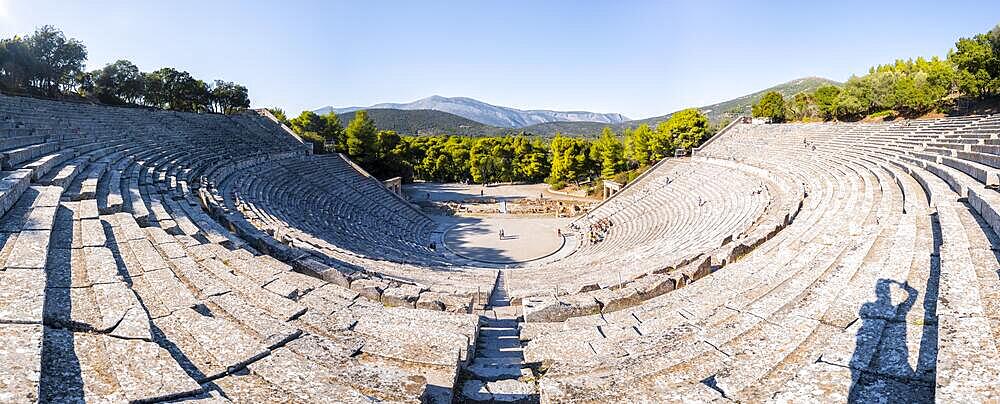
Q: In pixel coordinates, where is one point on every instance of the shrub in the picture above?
(886, 115)
(558, 185)
(317, 141)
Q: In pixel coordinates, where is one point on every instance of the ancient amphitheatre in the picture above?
(151, 255)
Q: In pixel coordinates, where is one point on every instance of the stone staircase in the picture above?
(498, 372)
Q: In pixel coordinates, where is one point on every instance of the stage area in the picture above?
(525, 239)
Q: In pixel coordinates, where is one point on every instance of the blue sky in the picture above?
(638, 58)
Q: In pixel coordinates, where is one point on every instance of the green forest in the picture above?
(520, 158)
(907, 88)
(47, 63)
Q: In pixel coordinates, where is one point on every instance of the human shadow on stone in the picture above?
(879, 334)
(880, 366)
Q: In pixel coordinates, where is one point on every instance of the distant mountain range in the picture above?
(425, 122)
(466, 116)
(503, 117)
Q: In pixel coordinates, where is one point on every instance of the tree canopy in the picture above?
(50, 64)
(910, 87)
(771, 106)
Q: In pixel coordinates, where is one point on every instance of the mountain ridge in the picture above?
(489, 114)
(430, 121)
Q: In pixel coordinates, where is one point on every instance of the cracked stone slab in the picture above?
(170, 292)
(30, 250)
(402, 295)
(146, 371)
(93, 233)
(20, 352)
(76, 368)
(22, 295)
(256, 319)
(968, 364)
(306, 380)
(147, 256)
(511, 391)
(281, 308)
(192, 272)
(336, 354)
(246, 387)
(213, 344)
(133, 325)
(120, 309)
(101, 265)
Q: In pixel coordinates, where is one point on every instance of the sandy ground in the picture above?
(525, 239)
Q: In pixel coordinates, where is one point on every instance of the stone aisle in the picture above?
(497, 373)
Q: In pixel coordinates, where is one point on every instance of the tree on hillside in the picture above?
(17, 65)
(57, 59)
(333, 132)
(308, 125)
(279, 114)
(307, 121)
(771, 106)
(978, 64)
(826, 101)
(532, 159)
(570, 159)
(687, 128)
(608, 152)
(118, 83)
(228, 97)
(176, 90)
(637, 145)
(361, 138)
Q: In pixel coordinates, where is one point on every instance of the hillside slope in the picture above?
(741, 105)
(488, 114)
(424, 122)
(428, 121)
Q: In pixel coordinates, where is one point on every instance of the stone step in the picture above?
(497, 331)
(499, 343)
(483, 369)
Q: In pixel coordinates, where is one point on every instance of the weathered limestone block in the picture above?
(339, 277)
(403, 295)
(511, 391)
(617, 299)
(702, 269)
(457, 303)
(431, 301)
(559, 308)
(370, 289)
(21, 368)
(653, 285)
